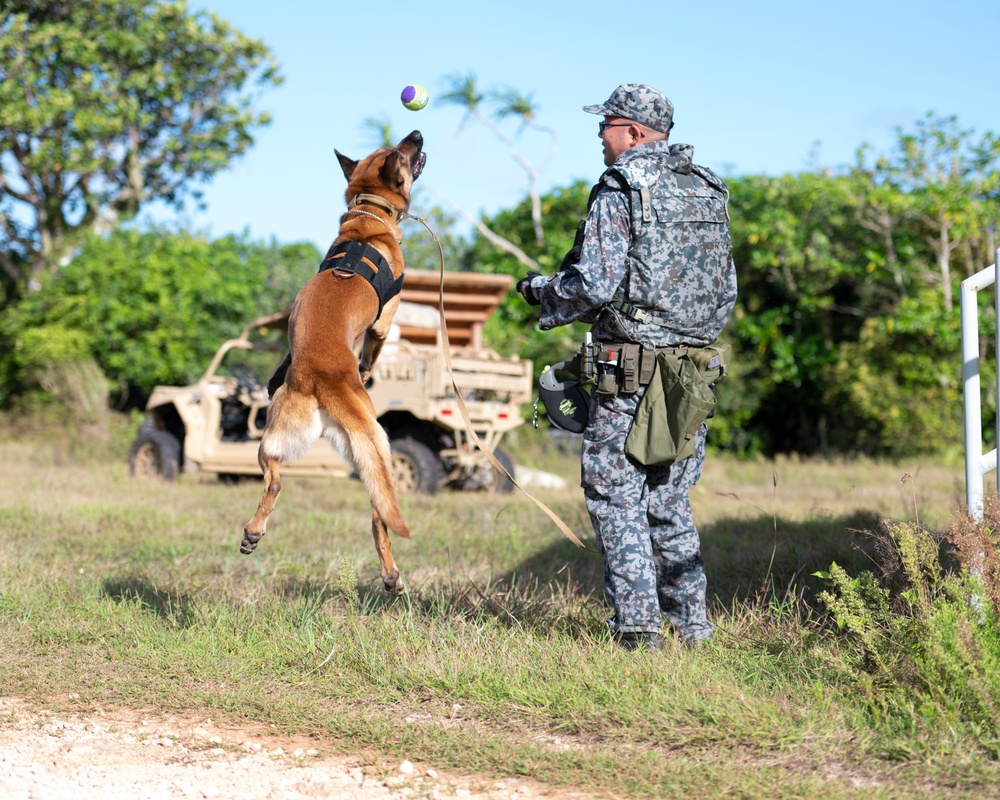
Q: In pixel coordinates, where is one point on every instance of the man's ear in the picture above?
(346, 164)
(391, 174)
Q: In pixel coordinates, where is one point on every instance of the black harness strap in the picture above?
(352, 258)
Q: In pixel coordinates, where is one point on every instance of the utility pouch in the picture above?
(677, 401)
(607, 373)
(712, 361)
(628, 367)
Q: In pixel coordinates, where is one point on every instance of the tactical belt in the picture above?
(350, 258)
(636, 363)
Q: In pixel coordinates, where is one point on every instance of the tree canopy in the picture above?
(148, 306)
(106, 105)
(844, 337)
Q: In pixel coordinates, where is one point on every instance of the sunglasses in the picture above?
(602, 126)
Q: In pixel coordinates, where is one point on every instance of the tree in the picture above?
(147, 307)
(843, 342)
(880, 207)
(514, 326)
(106, 105)
(897, 388)
(464, 92)
(948, 175)
(810, 274)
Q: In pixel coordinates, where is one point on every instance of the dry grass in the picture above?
(135, 593)
(796, 489)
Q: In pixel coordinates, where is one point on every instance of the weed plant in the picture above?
(923, 642)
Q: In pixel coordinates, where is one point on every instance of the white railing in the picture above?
(977, 463)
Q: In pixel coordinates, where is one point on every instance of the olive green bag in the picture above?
(678, 400)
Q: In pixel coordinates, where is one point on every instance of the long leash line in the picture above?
(567, 531)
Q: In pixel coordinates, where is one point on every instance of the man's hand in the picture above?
(529, 293)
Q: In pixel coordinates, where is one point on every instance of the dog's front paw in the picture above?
(366, 373)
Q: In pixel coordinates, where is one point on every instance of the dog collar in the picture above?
(377, 217)
(375, 200)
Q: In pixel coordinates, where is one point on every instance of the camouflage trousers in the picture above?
(646, 535)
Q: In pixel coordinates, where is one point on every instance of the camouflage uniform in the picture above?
(656, 238)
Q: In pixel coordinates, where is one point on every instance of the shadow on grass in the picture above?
(561, 586)
(175, 607)
(742, 558)
(513, 602)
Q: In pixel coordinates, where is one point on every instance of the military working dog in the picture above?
(319, 390)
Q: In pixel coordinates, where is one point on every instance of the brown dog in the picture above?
(323, 391)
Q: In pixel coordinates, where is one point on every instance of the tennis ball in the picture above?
(414, 97)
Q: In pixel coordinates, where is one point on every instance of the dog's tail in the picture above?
(372, 459)
(355, 431)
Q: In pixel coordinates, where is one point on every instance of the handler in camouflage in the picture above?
(652, 265)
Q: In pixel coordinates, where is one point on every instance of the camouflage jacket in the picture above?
(657, 239)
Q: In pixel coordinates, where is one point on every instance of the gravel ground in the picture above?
(121, 755)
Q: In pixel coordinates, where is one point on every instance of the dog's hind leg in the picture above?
(356, 432)
(365, 443)
(292, 428)
(388, 569)
(254, 530)
(373, 456)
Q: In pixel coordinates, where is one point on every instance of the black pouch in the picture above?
(677, 401)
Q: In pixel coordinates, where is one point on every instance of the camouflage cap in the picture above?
(639, 103)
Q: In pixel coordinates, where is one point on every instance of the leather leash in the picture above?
(567, 531)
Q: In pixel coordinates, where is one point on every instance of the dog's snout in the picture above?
(414, 143)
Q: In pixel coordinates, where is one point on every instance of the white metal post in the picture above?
(977, 464)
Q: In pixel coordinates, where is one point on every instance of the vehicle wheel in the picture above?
(486, 476)
(501, 483)
(416, 469)
(236, 478)
(155, 454)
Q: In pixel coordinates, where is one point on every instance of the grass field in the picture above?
(115, 592)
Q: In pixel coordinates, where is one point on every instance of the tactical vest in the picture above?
(678, 265)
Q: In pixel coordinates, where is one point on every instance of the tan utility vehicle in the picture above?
(215, 425)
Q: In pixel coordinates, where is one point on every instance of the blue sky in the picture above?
(758, 87)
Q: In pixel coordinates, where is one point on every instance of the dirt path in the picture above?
(121, 755)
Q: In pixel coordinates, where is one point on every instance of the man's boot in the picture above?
(639, 640)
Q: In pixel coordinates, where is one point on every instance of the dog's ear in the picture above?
(391, 173)
(346, 164)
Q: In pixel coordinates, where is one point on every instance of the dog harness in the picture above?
(350, 258)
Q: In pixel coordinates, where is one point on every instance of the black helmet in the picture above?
(567, 403)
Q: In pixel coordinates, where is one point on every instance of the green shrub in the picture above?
(148, 307)
(922, 642)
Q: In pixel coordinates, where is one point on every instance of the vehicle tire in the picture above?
(416, 469)
(487, 477)
(155, 454)
(501, 483)
(236, 478)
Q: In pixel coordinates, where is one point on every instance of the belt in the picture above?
(636, 363)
